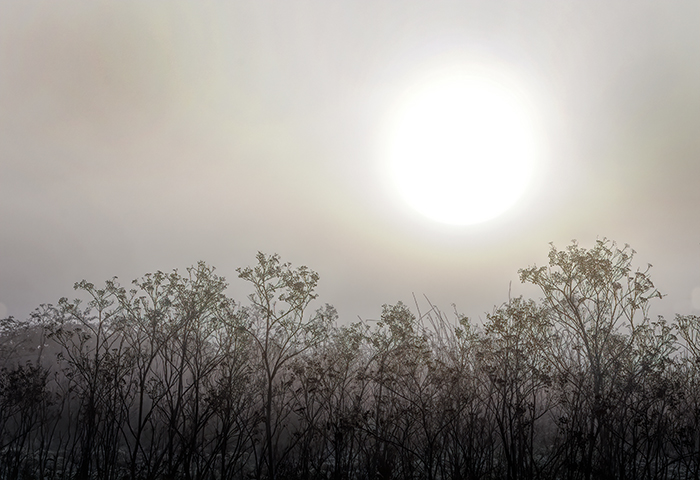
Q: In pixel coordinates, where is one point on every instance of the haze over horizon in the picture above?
(142, 136)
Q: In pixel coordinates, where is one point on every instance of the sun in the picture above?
(462, 147)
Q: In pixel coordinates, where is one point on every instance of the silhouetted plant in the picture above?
(597, 305)
(280, 329)
(173, 379)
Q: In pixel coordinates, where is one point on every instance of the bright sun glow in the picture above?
(462, 148)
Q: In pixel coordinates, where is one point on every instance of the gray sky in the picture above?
(139, 135)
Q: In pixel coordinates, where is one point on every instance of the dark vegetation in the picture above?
(175, 380)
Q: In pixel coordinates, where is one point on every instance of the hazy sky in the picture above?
(138, 136)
